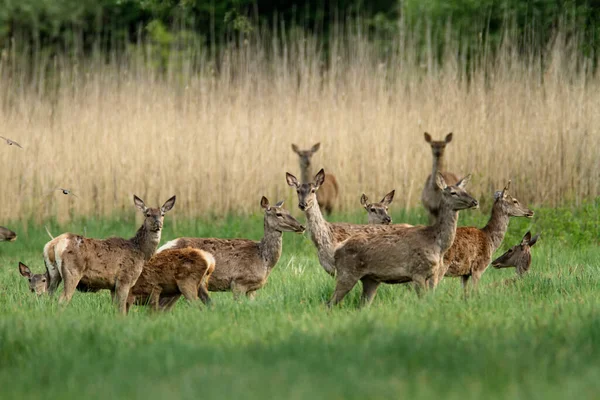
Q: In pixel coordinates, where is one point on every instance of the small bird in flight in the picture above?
(66, 191)
(11, 142)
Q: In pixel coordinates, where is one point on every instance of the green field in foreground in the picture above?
(536, 338)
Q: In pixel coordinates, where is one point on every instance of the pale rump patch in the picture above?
(210, 259)
(58, 250)
(170, 245)
(50, 266)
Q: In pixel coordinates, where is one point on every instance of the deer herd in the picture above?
(137, 272)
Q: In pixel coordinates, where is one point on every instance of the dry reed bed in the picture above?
(222, 140)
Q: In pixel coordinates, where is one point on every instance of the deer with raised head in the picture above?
(412, 254)
(6, 235)
(378, 213)
(173, 273)
(326, 236)
(473, 248)
(431, 195)
(518, 256)
(243, 265)
(114, 263)
(329, 191)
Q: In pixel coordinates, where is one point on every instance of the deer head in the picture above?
(38, 283)
(305, 155)
(378, 212)
(307, 192)
(518, 256)
(510, 205)
(456, 197)
(154, 216)
(278, 218)
(7, 235)
(438, 147)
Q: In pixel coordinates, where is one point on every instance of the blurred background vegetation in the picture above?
(85, 25)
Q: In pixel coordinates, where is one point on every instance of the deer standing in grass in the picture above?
(242, 265)
(6, 235)
(114, 263)
(518, 256)
(326, 236)
(473, 248)
(431, 195)
(329, 191)
(378, 213)
(165, 277)
(413, 254)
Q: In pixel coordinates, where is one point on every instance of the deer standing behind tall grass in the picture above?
(410, 254)
(243, 265)
(473, 248)
(378, 213)
(95, 264)
(327, 236)
(328, 194)
(431, 195)
(518, 256)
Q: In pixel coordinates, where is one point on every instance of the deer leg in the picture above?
(189, 291)
(369, 290)
(166, 303)
(251, 294)
(203, 294)
(420, 284)
(465, 285)
(121, 295)
(343, 285)
(55, 280)
(71, 279)
(237, 290)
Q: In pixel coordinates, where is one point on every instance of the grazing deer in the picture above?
(473, 248)
(6, 235)
(378, 212)
(518, 256)
(165, 277)
(431, 195)
(173, 273)
(242, 265)
(329, 191)
(324, 235)
(410, 254)
(113, 263)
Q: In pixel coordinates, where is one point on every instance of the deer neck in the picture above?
(321, 235)
(270, 246)
(438, 165)
(305, 173)
(496, 226)
(146, 241)
(445, 227)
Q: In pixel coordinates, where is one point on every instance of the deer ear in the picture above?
(264, 203)
(279, 203)
(295, 149)
(427, 137)
(387, 199)
(440, 182)
(315, 148)
(363, 200)
(291, 180)
(168, 205)
(320, 177)
(24, 270)
(506, 188)
(449, 138)
(139, 203)
(534, 240)
(526, 238)
(463, 182)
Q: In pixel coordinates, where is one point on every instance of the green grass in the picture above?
(537, 338)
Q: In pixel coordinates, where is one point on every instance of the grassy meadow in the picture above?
(535, 338)
(216, 131)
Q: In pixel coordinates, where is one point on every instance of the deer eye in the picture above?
(372, 210)
(312, 190)
(452, 193)
(44, 280)
(29, 279)
(515, 202)
(279, 214)
(298, 191)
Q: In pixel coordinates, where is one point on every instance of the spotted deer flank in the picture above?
(378, 213)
